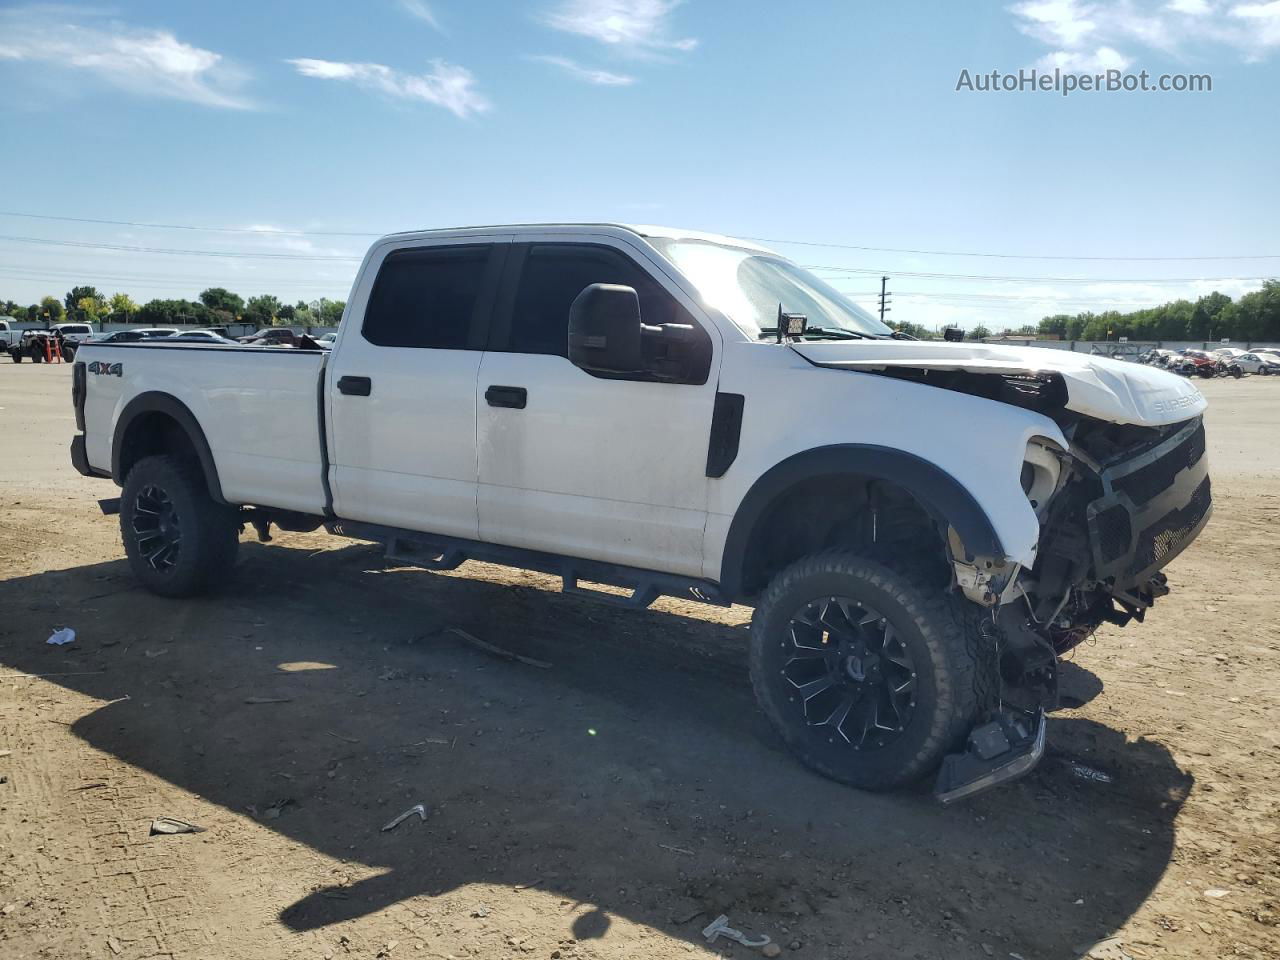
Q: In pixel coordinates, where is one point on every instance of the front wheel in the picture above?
(869, 673)
(179, 541)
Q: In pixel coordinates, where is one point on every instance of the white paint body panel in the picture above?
(1100, 387)
(792, 406)
(258, 409)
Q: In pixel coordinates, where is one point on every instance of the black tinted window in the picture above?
(554, 275)
(426, 297)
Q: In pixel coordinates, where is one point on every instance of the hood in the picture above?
(1116, 391)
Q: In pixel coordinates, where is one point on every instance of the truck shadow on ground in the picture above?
(633, 778)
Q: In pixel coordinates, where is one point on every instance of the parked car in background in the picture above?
(135, 334)
(272, 337)
(9, 333)
(1196, 363)
(326, 340)
(1259, 362)
(33, 345)
(204, 336)
(71, 335)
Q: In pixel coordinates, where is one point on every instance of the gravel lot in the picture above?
(609, 806)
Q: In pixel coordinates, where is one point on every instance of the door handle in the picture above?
(514, 397)
(355, 386)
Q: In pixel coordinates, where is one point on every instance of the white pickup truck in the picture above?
(923, 528)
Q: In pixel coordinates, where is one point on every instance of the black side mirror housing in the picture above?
(604, 329)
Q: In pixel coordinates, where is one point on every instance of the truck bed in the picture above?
(260, 409)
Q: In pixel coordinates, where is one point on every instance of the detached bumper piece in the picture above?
(1004, 749)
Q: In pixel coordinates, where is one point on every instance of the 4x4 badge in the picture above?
(112, 369)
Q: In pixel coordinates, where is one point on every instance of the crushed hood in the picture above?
(1116, 391)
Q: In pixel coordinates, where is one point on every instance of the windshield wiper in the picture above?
(819, 333)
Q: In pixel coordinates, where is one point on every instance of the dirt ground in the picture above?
(611, 805)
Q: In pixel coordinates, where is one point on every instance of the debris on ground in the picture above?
(500, 652)
(268, 699)
(771, 950)
(114, 945)
(719, 927)
(62, 635)
(273, 812)
(684, 850)
(168, 825)
(417, 808)
(1082, 772)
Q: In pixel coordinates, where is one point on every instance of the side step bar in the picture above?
(433, 552)
(1004, 749)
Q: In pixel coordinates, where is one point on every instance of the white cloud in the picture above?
(146, 61)
(1080, 61)
(446, 85)
(603, 78)
(420, 10)
(640, 26)
(1088, 36)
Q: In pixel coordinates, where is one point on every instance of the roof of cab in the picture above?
(646, 230)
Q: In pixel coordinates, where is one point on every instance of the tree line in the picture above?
(215, 307)
(1255, 316)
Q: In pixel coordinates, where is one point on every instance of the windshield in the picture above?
(747, 286)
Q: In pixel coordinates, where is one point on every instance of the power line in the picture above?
(186, 226)
(799, 243)
(860, 271)
(1008, 256)
(85, 244)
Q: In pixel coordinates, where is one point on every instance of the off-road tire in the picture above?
(210, 534)
(15, 356)
(939, 631)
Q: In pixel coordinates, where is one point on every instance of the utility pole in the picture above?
(884, 298)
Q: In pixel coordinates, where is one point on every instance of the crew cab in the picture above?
(923, 528)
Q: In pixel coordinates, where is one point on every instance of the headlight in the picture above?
(1041, 470)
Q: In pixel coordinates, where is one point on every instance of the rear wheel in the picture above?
(179, 541)
(868, 672)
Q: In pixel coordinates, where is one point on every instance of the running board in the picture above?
(434, 552)
(997, 752)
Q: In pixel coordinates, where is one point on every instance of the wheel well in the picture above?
(853, 510)
(154, 424)
(151, 434)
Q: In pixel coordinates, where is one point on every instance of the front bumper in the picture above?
(1152, 507)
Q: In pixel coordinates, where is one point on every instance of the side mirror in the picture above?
(604, 329)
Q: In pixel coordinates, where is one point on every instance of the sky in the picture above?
(841, 133)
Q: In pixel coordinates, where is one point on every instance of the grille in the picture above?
(1148, 482)
(1114, 533)
(1163, 538)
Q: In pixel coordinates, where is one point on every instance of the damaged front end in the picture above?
(1122, 503)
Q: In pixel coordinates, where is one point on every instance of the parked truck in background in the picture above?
(923, 528)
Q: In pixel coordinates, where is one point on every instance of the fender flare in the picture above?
(171, 406)
(939, 493)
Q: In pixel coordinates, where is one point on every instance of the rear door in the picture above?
(610, 469)
(401, 387)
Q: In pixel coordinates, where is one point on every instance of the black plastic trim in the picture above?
(452, 551)
(935, 489)
(155, 402)
(80, 459)
(726, 430)
(323, 423)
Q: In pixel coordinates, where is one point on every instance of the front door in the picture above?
(401, 389)
(580, 465)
